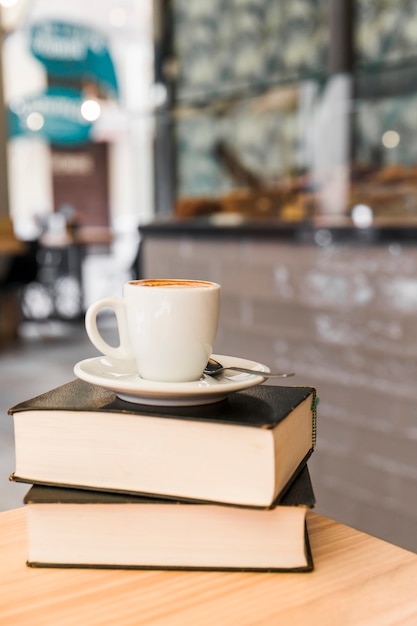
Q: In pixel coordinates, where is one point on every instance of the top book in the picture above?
(245, 450)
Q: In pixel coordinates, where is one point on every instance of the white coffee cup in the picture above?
(166, 326)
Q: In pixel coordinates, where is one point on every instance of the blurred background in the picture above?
(269, 146)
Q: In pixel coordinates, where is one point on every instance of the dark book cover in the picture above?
(299, 493)
(149, 496)
(262, 406)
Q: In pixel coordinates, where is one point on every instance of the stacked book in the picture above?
(117, 484)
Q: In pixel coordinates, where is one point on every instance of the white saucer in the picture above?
(120, 377)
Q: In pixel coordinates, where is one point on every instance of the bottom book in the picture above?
(80, 528)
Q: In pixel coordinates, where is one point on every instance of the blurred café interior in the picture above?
(269, 146)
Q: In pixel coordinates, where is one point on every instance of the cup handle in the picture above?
(123, 350)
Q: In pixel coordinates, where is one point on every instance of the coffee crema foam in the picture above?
(166, 282)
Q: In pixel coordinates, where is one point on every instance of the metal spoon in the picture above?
(213, 368)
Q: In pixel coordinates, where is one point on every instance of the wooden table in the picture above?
(357, 580)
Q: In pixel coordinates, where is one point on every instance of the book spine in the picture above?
(314, 404)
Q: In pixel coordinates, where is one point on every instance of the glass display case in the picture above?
(295, 111)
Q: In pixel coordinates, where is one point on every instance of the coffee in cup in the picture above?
(166, 326)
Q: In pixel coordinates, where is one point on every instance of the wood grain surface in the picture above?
(357, 580)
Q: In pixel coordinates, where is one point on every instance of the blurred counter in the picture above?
(321, 231)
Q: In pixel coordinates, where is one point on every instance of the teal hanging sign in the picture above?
(70, 51)
(53, 115)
